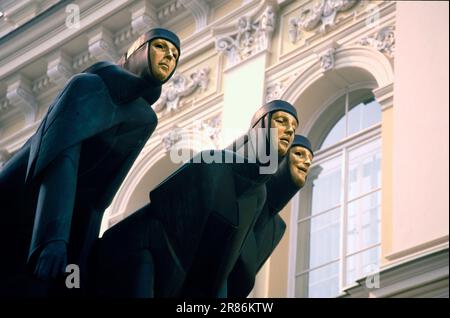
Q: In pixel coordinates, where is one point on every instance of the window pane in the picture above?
(362, 264)
(355, 119)
(371, 114)
(363, 222)
(336, 112)
(364, 171)
(318, 238)
(336, 134)
(364, 111)
(320, 283)
(321, 201)
(326, 191)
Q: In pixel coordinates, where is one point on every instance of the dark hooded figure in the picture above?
(260, 144)
(185, 243)
(269, 227)
(59, 183)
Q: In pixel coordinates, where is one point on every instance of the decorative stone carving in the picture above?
(20, 95)
(59, 68)
(172, 137)
(273, 91)
(209, 129)
(200, 11)
(383, 41)
(327, 59)
(101, 44)
(82, 60)
(276, 89)
(124, 36)
(143, 17)
(4, 105)
(180, 86)
(266, 28)
(170, 10)
(212, 128)
(322, 13)
(251, 37)
(41, 84)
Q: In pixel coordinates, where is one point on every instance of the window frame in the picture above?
(341, 148)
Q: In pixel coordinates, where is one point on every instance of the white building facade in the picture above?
(371, 89)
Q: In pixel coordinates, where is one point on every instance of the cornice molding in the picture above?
(59, 68)
(200, 10)
(40, 84)
(13, 142)
(408, 278)
(385, 96)
(20, 95)
(170, 10)
(82, 60)
(4, 105)
(52, 34)
(101, 44)
(143, 17)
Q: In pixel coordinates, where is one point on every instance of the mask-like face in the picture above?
(286, 125)
(299, 162)
(163, 58)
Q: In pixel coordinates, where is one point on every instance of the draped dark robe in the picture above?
(105, 110)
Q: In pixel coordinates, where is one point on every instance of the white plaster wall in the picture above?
(421, 127)
(243, 95)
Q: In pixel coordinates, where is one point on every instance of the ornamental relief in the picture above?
(320, 17)
(253, 35)
(180, 86)
(311, 22)
(383, 41)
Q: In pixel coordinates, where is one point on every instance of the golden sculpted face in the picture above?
(300, 160)
(286, 124)
(163, 58)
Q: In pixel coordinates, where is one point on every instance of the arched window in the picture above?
(338, 219)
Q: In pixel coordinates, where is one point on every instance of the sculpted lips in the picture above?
(285, 140)
(164, 66)
(303, 169)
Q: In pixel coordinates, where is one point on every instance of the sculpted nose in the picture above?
(169, 54)
(308, 161)
(290, 129)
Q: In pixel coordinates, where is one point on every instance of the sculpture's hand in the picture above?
(52, 261)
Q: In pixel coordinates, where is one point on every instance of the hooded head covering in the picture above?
(271, 107)
(256, 142)
(134, 77)
(300, 140)
(281, 188)
(137, 58)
